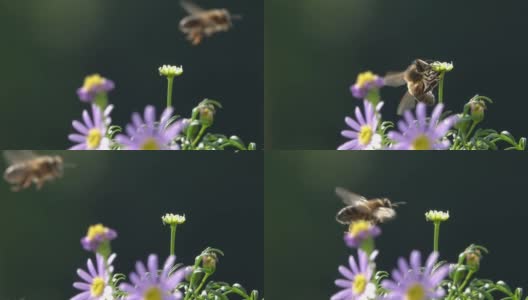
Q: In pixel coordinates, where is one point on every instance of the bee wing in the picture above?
(350, 213)
(17, 156)
(348, 197)
(394, 79)
(190, 7)
(407, 102)
(428, 98)
(384, 214)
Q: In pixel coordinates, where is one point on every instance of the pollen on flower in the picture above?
(93, 138)
(365, 135)
(93, 81)
(421, 142)
(436, 216)
(170, 71)
(153, 293)
(97, 287)
(365, 78)
(95, 231)
(150, 144)
(415, 292)
(358, 227)
(172, 219)
(442, 66)
(359, 284)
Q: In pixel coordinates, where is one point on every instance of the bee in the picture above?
(420, 78)
(26, 167)
(357, 208)
(204, 23)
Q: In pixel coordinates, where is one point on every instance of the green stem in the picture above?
(441, 89)
(173, 238)
(101, 100)
(170, 81)
(473, 125)
(197, 139)
(461, 288)
(201, 284)
(436, 236)
(368, 246)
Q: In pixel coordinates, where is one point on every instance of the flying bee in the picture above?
(420, 78)
(357, 208)
(26, 167)
(204, 23)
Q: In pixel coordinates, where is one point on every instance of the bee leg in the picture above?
(26, 182)
(39, 184)
(16, 188)
(197, 39)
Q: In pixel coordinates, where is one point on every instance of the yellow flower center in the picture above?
(415, 292)
(356, 228)
(149, 144)
(359, 284)
(421, 143)
(93, 81)
(365, 135)
(95, 230)
(97, 287)
(364, 78)
(153, 293)
(93, 139)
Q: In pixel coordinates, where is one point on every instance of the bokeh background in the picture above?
(50, 46)
(221, 195)
(485, 195)
(315, 49)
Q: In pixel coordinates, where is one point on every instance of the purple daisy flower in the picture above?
(360, 231)
(415, 282)
(357, 284)
(92, 133)
(148, 283)
(96, 281)
(422, 134)
(365, 82)
(363, 135)
(94, 85)
(96, 235)
(148, 134)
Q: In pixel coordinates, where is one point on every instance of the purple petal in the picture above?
(349, 134)
(150, 115)
(80, 127)
(352, 123)
(359, 116)
(346, 272)
(86, 119)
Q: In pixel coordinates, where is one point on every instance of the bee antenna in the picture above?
(398, 204)
(236, 17)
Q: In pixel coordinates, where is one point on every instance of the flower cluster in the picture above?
(413, 279)
(149, 281)
(419, 131)
(147, 131)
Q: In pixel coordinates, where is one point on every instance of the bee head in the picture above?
(421, 65)
(221, 16)
(56, 164)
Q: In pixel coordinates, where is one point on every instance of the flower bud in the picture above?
(209, 262)
(477, 109)
(207, 112)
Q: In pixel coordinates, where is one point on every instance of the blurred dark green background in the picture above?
(220, 194)
(48, 47)
(315, 49)
(485, 194)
